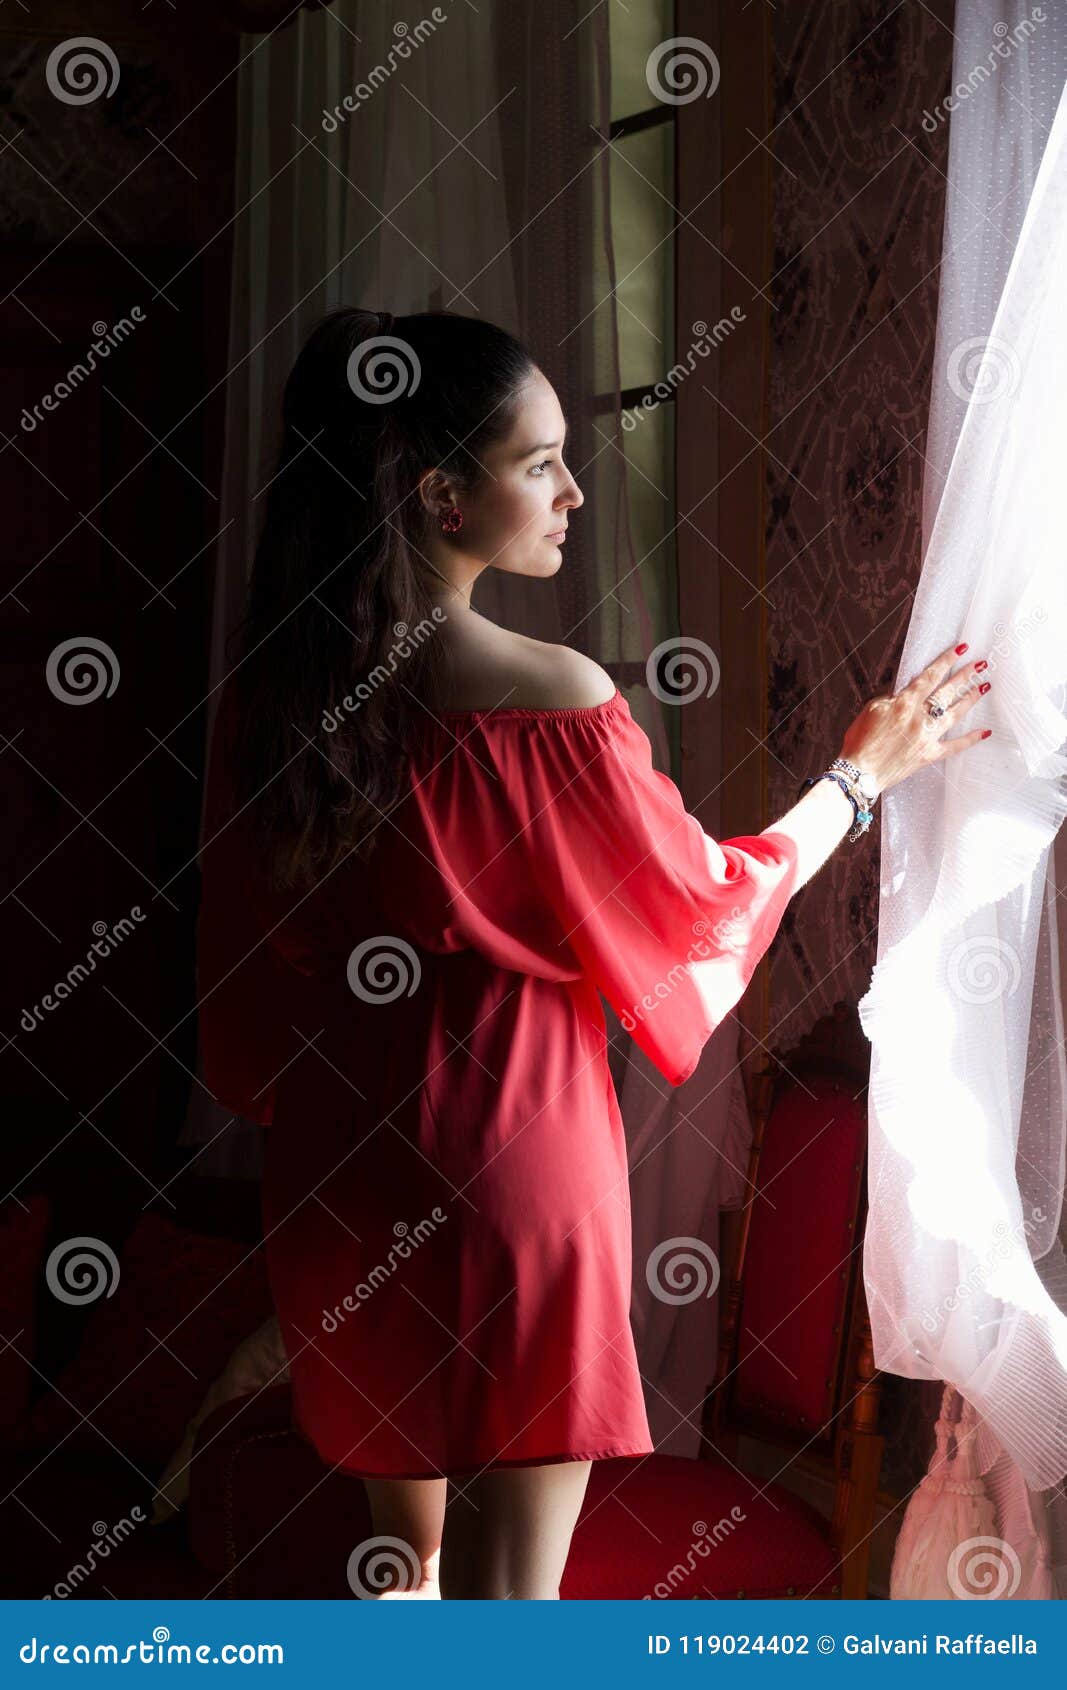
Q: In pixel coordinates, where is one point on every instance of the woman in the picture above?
(430, 845)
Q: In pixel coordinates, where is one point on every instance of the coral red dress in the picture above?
(445, 1199)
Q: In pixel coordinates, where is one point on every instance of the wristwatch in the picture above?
(859, 787)
(860, 777)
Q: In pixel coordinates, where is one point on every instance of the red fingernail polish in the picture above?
(986, 733)
(960, 649)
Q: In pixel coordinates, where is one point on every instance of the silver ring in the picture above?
(933, 709)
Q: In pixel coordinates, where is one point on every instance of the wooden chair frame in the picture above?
(851, 1444)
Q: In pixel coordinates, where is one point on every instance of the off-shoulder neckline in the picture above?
(497, 711)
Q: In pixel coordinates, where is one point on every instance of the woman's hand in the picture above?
(893, 737)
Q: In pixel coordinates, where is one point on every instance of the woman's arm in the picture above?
(817, 823)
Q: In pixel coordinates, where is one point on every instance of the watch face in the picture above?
(868, 786)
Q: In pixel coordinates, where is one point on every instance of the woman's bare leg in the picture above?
(507, 1532)
(412, 1510)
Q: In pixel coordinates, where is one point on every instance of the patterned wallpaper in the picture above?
(857, 225)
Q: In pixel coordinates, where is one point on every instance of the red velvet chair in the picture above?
(268, 1520)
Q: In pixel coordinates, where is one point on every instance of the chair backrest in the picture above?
(796, 1314)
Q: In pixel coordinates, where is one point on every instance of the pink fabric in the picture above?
(446, 1146)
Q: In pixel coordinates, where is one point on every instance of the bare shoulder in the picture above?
(498, 667)
(556, 677)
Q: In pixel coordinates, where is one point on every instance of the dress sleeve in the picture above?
(241, 978)
(668, 922)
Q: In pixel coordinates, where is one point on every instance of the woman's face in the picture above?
(516, 520)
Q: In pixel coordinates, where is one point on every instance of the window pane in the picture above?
(649, 448)
(635, 28)
(642, 222)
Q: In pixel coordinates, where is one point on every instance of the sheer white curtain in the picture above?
(472, 173)
(965, 1274)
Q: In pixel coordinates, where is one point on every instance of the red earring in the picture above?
(452, 521)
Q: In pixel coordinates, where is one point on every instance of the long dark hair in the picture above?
(338, 644)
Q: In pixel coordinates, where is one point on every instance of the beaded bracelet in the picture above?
(861, 812)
